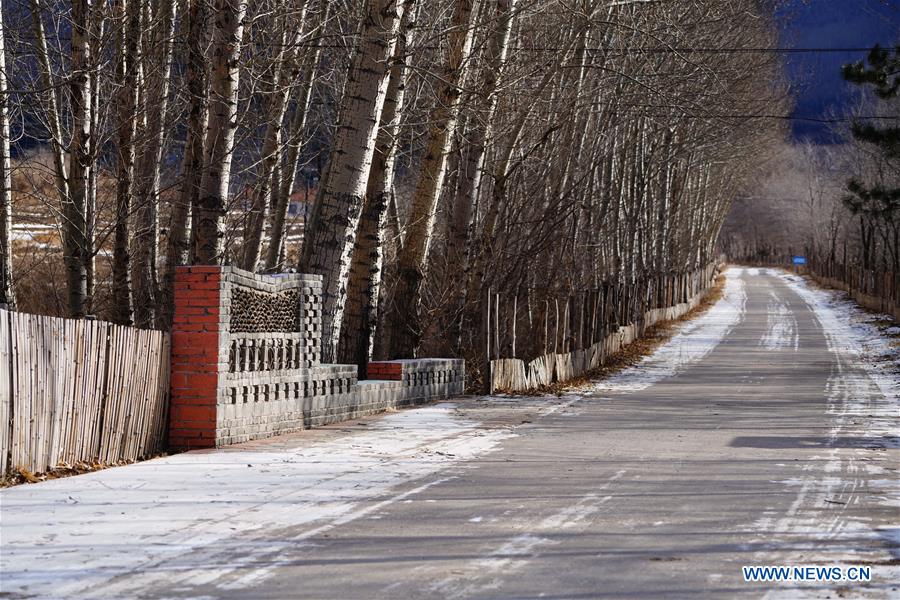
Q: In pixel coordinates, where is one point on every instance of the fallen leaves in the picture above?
(21, 475)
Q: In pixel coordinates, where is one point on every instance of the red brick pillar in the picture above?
(196, 329)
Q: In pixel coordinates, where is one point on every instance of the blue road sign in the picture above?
(799, 260)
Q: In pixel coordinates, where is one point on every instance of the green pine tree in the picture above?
(882, 76)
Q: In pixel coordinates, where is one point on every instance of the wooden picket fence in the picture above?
(79, 390)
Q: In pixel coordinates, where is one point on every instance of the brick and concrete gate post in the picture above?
(197, 344)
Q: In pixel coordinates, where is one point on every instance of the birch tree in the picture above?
(96, 35)
(7, 294)
(49, 101)
(594, 153)
(128, 67)
(364, 285)
(328, 241)
(403, 327)
(469, 186)
(75, 241)
(308, 65)
(287, 60)
(227, 33)
(158, 61)
(183, 210)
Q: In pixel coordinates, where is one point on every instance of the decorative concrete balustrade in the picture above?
(246, 362)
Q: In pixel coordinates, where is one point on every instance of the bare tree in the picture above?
(403, 328)
(212, 198)
(128, 67)
(49, 100)
(364, 284)
(308, 65)
(75, 239)
(471, 170)
(286, 62)
(159, 39)
(7, 294)
(331, 232)
(589, 152)
(183, 210)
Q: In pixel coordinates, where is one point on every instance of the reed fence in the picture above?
(79, 390)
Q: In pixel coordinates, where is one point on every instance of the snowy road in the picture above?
(763, 433)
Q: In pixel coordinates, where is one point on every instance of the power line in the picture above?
(627, 50)
(727, 50)
(688, 113)
(793, 118)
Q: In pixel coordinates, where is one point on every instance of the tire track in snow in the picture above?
(488, 571)
(781, 326)
(854, 391)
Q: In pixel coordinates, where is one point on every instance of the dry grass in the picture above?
(644, 346)
(21, 476)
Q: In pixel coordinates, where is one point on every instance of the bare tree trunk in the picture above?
(7, 294)
(128, 15)
(665, 211)
(50, 104)
(501, 173)
(75, 242)
(328, 241)
(473, 166)
(90, 209)
(309, 67)
(286, 72)
(363, 288)
(403, 328)
(394, 227)
(210, 232)
(178, 242)
(146, 233)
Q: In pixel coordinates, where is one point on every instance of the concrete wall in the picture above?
(246, 362)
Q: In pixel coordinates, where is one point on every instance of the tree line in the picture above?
(451, 146)
(837, 204)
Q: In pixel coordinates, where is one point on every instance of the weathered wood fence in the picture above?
(533, 341)
(876, 290)
(79, 390)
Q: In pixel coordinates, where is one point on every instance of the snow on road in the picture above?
(170, 518)
(694, 340)
(207, 517)
(856, 341)
(489, 571)
(781, 326)
(863, 403)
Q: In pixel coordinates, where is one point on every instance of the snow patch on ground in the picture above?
(694, 340)
(183, 519)
(781, 326)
